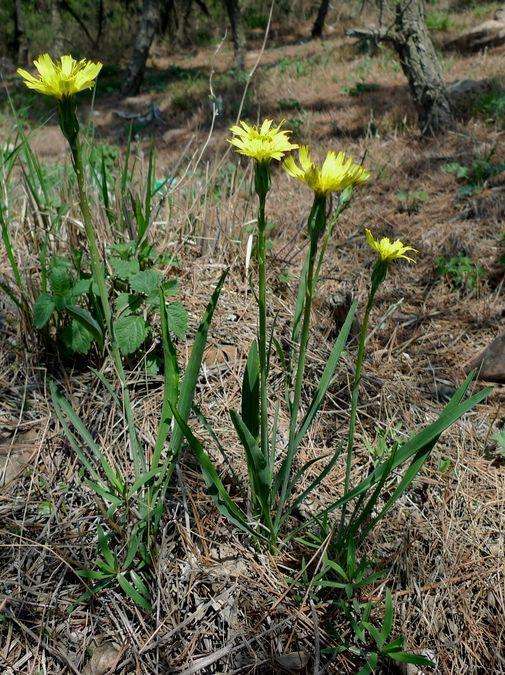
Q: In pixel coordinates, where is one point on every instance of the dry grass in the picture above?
(221, 606)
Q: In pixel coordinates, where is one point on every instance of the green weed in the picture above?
(460, 271)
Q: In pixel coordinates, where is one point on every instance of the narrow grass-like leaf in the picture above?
(327, 376)
(188, 386)
(251, 391)
(170, 383)
(224, 503)
(133, 593)
(317, 480)
(257, 465)
(451, 413)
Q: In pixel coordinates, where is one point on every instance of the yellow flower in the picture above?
(388, 250)
(261, 143)
(61, 78)
(336, 173)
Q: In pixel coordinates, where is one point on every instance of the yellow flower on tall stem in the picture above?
(61, 78)
(337, 172)
(262, 143)
(388, 250)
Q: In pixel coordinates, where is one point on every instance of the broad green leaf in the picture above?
(177, 319)
(124, 269)
(130, 332)
(170, 286)
(146, 281)
(76, 337)
(82, 316)
(60, 278)
(42, 309)
(81, 287)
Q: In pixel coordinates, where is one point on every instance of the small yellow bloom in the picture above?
(388, 250)
(336, 173)
(61, 78)
(261, 143)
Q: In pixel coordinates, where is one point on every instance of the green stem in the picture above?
(262, 185)
(70, 129)
(316, 225)
(378, 276)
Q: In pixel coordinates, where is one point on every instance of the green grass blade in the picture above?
(251, 392)
(327, 376)
(170, 383)
(430, 434)
(190, 379)
(257, 465)
(224, 503)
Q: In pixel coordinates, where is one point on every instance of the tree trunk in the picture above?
(149, 23)
(421, 66)
(57, 29)
(237, 32)
(317, 28)
(19, 42)
(184, 32)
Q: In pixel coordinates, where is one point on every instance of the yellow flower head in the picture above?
(262, 143)
(388, 250)
(336, 173)
(61, 78)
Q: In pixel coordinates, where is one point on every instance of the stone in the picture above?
(488, 34)
(292, 662)
(103, 660)
(490, 364)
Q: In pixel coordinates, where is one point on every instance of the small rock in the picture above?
(490, 33)
(104, 658)
(490, 364)
(339, 304)
(292, 662)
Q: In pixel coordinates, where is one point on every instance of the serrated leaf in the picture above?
(76, 337)
(80, 288)
(177, 318)
(130, 332)
(170, 286)
(42, 309)
(152, 365)
(145, 281)
(60, 279)
(129, 301)
(124, 269)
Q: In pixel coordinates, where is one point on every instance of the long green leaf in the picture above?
(328, 373)
(251, 391)
(451, 413)
(257, 465)
(85, 319)
(192, 371)
(224, 503)
(170, 383)
(139, 599)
